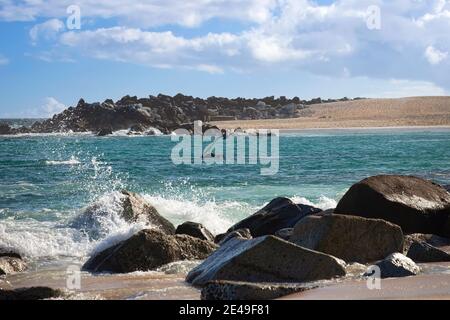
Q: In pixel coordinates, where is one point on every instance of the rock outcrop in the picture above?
(280, 213)
(11, 262)
(149, 249)
(397, 265)
(424, 252)
(196, 230)
(416, 205)
(351, 238)
(265, 259)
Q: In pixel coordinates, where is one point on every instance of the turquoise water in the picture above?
(47, 181)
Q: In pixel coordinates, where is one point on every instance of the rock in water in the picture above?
(196, 230)
(5, 129)
(280, 213)
(235, 290)
(424, 252)
(265, 259)
(416, 205)
(131, 207)
(149, 249)
(351, 238)
(105, 132)
(33, 293)
(11, 262)
(397, 265)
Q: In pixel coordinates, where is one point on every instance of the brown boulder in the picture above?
(415, 204)
(353, 239)
(149, 249)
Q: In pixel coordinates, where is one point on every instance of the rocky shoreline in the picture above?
(163, 113)
(387, 224)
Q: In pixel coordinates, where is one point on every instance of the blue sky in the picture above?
(250, 48)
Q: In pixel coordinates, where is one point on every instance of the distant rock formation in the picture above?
(164, 113)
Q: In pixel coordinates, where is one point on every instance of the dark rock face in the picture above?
(105, 132)
(416, 205)
(284, 234)
(434, 240)
(11, 262)
(447, 187)
(234, 290)
(149, 249)
(196, 230)
(280, 213)
(424, 252)
(33, 293)
(5, 129)
(397, 265)
(265, 259)
(351, 238)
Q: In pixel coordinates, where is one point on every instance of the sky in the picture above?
(53, 52)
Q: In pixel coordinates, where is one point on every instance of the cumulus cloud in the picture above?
(46, 30)
(434, 56)
(304, 35)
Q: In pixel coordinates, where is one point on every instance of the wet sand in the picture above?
(368, 113)
(433, 283)
(132, 286)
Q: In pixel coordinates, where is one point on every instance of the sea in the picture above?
(48, 181)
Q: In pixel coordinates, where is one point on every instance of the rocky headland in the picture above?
(164, 113)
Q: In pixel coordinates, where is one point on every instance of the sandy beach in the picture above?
(367, 113)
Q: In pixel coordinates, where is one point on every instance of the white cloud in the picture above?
(51, 107)
(3, 60)
(46, 30)
(434, 56)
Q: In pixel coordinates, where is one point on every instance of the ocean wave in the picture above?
(71, 162)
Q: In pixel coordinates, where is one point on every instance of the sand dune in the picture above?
(415, 111)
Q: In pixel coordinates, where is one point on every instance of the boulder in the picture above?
(149, 249)
(235, 290)
(196, 230)
(240, 234)
(131, 207)
(265, 259)
(278, 214)
(416, 205)
(447, 187)
(11, 261)
(397, 265)
(424, 252)
(432, 239)
(351, 238)
(33, 293)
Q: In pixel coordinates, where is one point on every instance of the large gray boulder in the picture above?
(149, 249)
(235, 290)
(265, 259)
(32, 293)
(351, 238)
(280, 213)
(424, 252)
(415, 204)
(397, 265)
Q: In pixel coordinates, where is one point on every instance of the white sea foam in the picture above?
(71, 162)
(323, 202)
